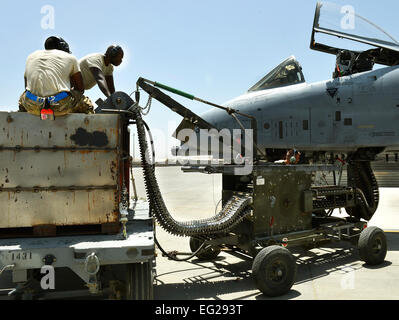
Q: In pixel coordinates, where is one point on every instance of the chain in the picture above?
(148, 107)
(146, 110)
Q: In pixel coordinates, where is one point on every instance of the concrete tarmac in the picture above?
(328, 273)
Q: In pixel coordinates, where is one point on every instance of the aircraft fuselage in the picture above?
(340, 115)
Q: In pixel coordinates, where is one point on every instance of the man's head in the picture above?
(115, 55)
(56, 43)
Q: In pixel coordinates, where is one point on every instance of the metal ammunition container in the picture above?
(61, 176)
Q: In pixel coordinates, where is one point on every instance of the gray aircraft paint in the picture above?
(343, 114)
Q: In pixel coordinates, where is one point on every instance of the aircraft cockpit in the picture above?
(287, 73)
(357, 43)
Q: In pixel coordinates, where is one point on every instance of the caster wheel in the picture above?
(274, 271)
(372, 246)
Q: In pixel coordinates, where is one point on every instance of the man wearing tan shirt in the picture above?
(97, 69)
(53, 81)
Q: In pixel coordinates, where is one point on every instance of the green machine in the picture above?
(289, 212)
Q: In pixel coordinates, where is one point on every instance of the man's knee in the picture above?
(84, 105)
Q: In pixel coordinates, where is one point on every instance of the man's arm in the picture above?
(110, 83)
(77, 82)
(101, 81)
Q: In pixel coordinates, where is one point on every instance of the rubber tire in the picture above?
(139, 284)
(372, 246)
(262, 269)
(208, 254)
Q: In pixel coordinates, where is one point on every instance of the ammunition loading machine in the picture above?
(288, 212)
(267, 212)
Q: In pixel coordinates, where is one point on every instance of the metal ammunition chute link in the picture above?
(331, 197)
(232, 213)
(367, 190)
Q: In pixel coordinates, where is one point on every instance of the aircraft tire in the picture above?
(372, 246)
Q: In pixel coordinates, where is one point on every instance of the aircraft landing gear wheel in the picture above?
(207, 254)
(274, 271)
(372, 246)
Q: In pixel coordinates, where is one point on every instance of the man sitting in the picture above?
(53, 80)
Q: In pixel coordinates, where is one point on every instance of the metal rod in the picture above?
(55, 148)
(56, 189)
(255, 133)
(133, 183)
(116, 111)
(192, 97)
(230, 111)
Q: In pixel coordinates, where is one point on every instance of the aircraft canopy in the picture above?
(287, 73)
(341, 28)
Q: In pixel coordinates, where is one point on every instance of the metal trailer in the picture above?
(288, 213)
(104, 266)
(65, 203)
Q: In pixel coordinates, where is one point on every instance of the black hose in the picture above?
(173, 257)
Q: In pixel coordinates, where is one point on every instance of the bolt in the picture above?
(49, 260)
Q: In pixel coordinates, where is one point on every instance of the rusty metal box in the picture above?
(59, 173)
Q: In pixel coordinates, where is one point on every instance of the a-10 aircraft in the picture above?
(353, 116)
(354, 113)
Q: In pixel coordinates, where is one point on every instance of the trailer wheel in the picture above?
(139, 284)
(372, 246)
(274, 271)
(209, 253)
